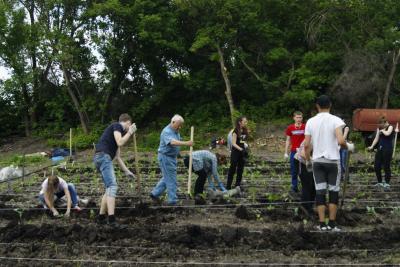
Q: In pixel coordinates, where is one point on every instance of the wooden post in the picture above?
(190, 161)
(395, 141)
(346, 179)
(70, 144)
(137, 164)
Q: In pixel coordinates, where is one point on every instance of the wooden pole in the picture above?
(70, 143)
(137, 164)
(190, 161)
(395, 141)
(346, 179)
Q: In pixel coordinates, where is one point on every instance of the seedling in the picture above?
(371, 211)
(296, 212)
(20, 214)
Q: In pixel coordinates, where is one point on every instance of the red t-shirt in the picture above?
(296, 135)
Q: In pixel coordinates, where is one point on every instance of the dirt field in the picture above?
(264, 226)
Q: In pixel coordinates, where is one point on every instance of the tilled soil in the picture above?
(250, 230)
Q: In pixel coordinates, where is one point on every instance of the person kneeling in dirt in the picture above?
(114, 136)
(56, 186)
(324, 131)
(205, 165)
(307, 180)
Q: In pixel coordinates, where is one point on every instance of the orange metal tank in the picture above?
(366, 120)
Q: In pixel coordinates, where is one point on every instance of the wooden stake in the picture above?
(136, 163)
(395, 141)
(70, 143)
(346, 179)
(190, 161)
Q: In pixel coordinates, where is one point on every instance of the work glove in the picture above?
(350, 147)
(222, 187)
(130, 175)
(309, 166)
(55, 213)
(67, 213)
(286, 156)
(132, 129)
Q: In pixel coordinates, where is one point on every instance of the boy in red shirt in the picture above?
(294, 138)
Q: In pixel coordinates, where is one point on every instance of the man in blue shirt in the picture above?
(114, 136)
(170, 141)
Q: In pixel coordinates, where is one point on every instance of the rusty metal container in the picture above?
(366, 120)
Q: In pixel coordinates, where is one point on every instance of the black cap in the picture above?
(323, 101)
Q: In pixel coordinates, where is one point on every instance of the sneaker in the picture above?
(84, 201)
(199, 200)
(101, 220)
(378, 185)
(156, 200)
(334, 228)
(77, 209)
(322, 227)
(386, 185)
(116, 225)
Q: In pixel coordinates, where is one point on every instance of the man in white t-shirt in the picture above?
(324, 131)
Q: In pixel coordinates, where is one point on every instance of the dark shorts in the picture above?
(327, 176)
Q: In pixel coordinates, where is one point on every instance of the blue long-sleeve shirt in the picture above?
(207, 161)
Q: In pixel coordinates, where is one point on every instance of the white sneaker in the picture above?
(323, 228)
(334, 229)
(378, 184)
(84, 201)
(386, 185)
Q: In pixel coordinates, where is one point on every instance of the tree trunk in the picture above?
(75, 100)
(228, 91)
(27, 104)
(35, 99)
(385, 100)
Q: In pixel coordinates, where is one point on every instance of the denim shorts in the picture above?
(104, 165)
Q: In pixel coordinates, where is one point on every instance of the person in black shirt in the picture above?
(114, 136)
(239, 151)
(383, 157)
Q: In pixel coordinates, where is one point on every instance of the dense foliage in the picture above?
(81, 63)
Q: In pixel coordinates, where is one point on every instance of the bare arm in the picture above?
(376, 139)
(68, 195)
(346, 133)
(234, 139)
(339, 136)
(120, 162)
(121, 141)
(288, 142)
(307, 147)
(388, 131)
(49, 204)
(181, 143)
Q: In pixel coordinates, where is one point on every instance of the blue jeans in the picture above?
(168, 181)
(104, 165)
(343, 159)
(72, 192)
(294, 170)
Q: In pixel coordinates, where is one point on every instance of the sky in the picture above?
(4, 73)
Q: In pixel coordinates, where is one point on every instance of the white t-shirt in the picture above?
(322, 129)
(62, 185)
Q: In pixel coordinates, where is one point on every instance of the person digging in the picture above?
(113, 138)
(325, 132)
(205, 165)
